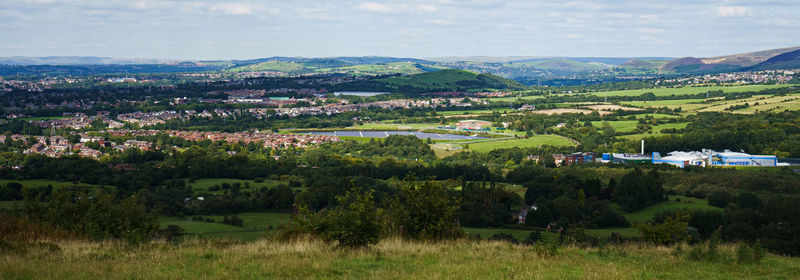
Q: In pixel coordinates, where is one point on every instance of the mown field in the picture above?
(686, 90)
(756, 103)
(533, 141)
(662, 91)
(389, 259)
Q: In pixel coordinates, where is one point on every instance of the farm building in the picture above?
(473, 125)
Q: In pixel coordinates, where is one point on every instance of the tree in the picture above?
(352, 223)
(425, 212)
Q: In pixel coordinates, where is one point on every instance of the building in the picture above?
(706, 158)
(473, 125)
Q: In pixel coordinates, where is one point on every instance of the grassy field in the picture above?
(686, 90)
(255, 225)
(36, 183)
(533, 141)
(765, 103)
(619, 126)
(685, 203)
(204, 184)
(656, 130)
(389, 259)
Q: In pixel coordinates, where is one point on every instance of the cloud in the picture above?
(647, 30)
(232, 8)
(728, 11)
(427, 8)
(374, 7)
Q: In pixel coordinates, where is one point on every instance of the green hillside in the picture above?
(450, 80)
(559, 65)
(330, 66)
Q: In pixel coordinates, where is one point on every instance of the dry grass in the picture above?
(391, 258)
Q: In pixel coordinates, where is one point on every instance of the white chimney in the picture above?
(642, 146)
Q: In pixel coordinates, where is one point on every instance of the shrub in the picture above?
(548, 244)
(673, 229)
(504, 237)
(352, 223)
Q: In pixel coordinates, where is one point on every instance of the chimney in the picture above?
(642, 146)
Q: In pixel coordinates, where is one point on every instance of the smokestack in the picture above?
(642, 146)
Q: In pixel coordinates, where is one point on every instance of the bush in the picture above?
(424, 212)
(673, 229)
(504, 237)
(352, 223)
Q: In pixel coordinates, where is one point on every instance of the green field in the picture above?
(37, 183)
(204, 184)
(686, 90)
(484, 146)
(389, 259)
(656, 130)
(685, 203)
(255, 225)
(619, 126)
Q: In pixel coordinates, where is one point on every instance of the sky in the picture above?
(204, 30)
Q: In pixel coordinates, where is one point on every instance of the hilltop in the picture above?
(734, 62)
(789, 60)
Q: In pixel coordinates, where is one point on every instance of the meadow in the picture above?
(389, 259)
(663, 91)
(256, 225)
(204, 184)
(533, 141)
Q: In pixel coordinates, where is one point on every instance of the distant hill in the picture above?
(734, 62)
(449, 80)
(81, 60)
(788, 60)
(560, 65)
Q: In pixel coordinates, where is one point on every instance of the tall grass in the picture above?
(307, 258)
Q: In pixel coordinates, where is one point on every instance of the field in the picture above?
(685, 90)
(35, 183)
(255, 225)
(204, 184)
(656, 130)
(619, 126)
(765, 103)
(533, 141)
(685, 203)
(389, 259)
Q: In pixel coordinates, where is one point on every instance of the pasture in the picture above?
(533, 141)
(664, 91)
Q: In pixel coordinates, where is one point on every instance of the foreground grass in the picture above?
(389, 259)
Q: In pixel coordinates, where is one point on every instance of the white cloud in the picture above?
(374, 7)
(727, 11)
(427, 8)
(647, 30)
(232, 8)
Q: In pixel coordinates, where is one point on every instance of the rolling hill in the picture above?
(788, 60)
(449, 80)
(734, 62)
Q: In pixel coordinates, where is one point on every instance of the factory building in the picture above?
(708, 158)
